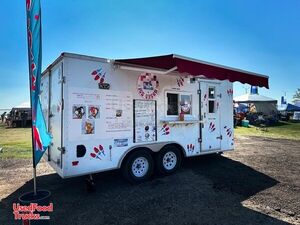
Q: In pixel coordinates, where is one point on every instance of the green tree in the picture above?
(296, 96)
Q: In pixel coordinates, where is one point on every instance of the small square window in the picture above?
(172, 104)
(211, 92)
(211, 106)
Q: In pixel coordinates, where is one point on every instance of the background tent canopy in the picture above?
(251, 98)
(289, 107)
(196, 67)
(25, 105)
(262, 103)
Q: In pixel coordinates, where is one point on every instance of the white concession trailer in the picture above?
(137, 114)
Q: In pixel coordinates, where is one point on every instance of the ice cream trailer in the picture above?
(137, 114)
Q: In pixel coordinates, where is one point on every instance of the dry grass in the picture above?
(15, 142)
(285, 130)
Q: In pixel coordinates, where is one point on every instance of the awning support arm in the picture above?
(147, 70)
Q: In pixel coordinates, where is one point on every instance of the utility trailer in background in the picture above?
(136, 114)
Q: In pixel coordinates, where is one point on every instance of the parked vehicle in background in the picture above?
(19, 116)
(287, 112)
(296, 116)
(285, 115)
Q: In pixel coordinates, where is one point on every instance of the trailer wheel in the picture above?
(168, 160)
(138, 167)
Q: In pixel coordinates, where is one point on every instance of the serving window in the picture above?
(172, 100)
(179, 103)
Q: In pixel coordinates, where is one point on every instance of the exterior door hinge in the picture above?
(63, 79)
(62, 149)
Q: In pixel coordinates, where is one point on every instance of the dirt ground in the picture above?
(258, 183)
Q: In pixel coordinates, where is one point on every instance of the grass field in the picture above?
(15, 142)
(286, 130)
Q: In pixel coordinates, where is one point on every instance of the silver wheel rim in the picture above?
(140, 167)
(169, 160)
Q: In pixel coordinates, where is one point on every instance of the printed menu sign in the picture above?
(144, 121)
(95, 114)
(118, 113)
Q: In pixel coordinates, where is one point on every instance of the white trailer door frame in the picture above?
(55, 115)
(211, 114)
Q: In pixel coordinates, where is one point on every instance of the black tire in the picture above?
(162, 165)
(138, 158)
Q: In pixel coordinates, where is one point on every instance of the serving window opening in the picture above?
(179, 103)
(172, 100)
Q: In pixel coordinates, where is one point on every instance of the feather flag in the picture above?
(41, 138)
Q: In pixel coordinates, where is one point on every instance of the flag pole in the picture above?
(33, 116)
(32, 137)
(34, 180)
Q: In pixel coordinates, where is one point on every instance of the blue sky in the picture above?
(255, 35)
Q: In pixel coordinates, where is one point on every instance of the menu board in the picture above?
(118, 118)
(95, 114)
(145, 121)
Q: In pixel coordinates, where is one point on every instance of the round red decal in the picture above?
(147, 85)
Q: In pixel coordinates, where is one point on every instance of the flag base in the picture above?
(41, 198)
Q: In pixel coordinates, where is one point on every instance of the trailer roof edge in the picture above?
(74, 56)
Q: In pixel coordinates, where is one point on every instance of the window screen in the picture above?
(172, 104)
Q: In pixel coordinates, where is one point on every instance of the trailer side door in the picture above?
(211, 114)
(55, 115)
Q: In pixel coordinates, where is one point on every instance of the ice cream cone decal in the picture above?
(165, 130)
(228, 131)
(98, 152)
(163, 127)
(99, 75)
(101, 149)
(212, 127)
(229, 92)
(180, 81)
(190, 147)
